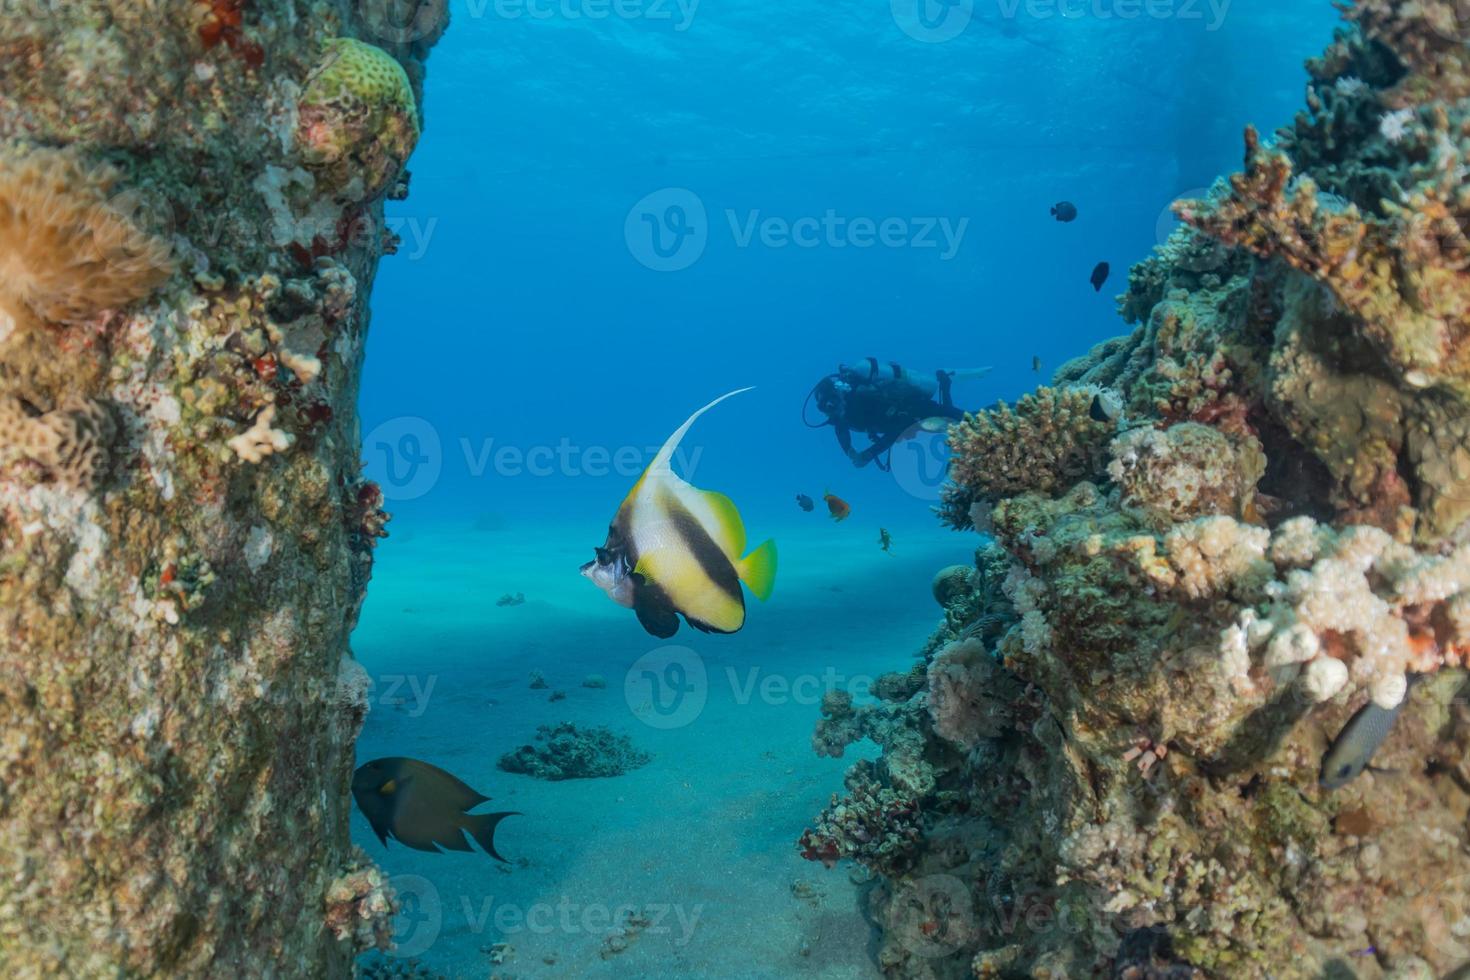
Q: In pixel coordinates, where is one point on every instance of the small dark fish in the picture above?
(1100, 275)
(805, 502)
(885, 540)
(838, 508)
(1354, 748)
(423, 806)
(1036, 364)
(1098, 410)
(1064, 211)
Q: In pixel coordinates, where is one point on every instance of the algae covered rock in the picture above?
(185, 534)
(569, 751)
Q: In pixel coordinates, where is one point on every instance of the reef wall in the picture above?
(1212, 542)
(191, 216)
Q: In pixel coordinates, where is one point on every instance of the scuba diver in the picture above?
(885, 403)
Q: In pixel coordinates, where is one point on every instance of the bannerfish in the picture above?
(1100, 276)
(1064, 211)
(805, 502)
(423, 806)
(1101, 411)
(837, 507)
(1357, 743)
(673, 549)
(885, 540)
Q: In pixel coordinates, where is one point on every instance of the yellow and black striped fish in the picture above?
(674, 549)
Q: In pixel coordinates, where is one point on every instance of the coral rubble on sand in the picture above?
(568, 751)
(1108, 761)
(191, 218)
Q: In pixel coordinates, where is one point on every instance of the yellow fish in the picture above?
(673, 549)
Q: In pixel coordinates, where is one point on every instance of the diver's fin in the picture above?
(660, 462)
(758, 570)
(481, 826)
(654, 610)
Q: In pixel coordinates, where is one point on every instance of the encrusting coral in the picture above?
(1108, 760)
(191, 220)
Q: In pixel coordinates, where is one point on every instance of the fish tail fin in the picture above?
(481, 826)
(666, 454)
(758, 570)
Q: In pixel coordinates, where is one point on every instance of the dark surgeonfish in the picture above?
(1357, 743)
(1064, 211)
(423, 807)
(805, 503)
(674, 549)
(1100, 275)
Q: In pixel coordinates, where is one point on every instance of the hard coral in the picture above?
(358, 120)
(69, 244)
(1048, 442)
(72, 445)
(1187, 471)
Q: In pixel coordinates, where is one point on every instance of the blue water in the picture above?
(599, 241)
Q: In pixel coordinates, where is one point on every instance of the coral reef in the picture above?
(185, 535)
(1107, 759)
(568, 751)
(1049, 441)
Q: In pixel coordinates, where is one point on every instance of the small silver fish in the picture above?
(1357, 743)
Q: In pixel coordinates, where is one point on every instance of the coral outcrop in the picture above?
(1107, 760)
(185, 535)
(569, 751)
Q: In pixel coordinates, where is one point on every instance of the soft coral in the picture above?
(226, 23)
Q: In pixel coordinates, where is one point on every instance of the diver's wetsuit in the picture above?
(883, 403)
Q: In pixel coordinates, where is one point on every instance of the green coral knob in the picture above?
(357, 122)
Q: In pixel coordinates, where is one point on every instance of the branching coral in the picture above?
(69, 246)
(1049, 441)
(262, 438)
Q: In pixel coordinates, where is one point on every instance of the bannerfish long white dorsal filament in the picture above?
(673, 549)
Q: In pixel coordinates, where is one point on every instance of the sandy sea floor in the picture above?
(700, 843)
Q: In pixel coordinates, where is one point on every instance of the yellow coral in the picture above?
(1048, 442)
(67, 249)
